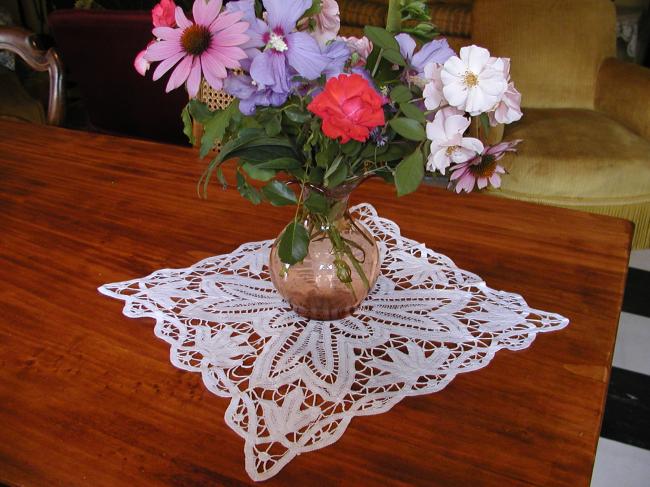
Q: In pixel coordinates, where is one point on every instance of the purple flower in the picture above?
(338, 54)
(256, 29)
(251, 95)
(286, 52)
(436, 51)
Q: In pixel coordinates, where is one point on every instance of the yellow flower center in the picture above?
(470, 79)
(196, 39)
(451, 149)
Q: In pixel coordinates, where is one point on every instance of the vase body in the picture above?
(327, 285)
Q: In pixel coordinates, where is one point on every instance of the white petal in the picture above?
(456, 94)
(473, 145)
(477, 58)
(455, 125)
(454, 67)
(441, 160)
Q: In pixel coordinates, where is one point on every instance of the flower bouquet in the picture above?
(315, 114)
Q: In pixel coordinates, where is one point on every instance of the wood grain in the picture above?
(88, 397)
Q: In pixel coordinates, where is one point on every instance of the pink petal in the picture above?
(213, 70)
(166, 65)
(194, 79)
(181, 20)
(163, 50)
(225, 20)
(495, 180)
(228, 61)
(180, 74)
(230, 40)
(466, 183)
(140, 64)
(205, 13)
(236, 28)
(167, 33)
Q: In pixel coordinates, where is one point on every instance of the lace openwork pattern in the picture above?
(294, 384)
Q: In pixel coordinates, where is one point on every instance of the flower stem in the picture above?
(394, 18)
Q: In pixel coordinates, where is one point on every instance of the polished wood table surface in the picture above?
(89, 397)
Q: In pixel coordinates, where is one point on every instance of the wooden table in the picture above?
(88, 397)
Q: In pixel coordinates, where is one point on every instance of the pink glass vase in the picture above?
(335, 277)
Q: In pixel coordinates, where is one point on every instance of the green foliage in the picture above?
(336, 173)
(408, 128)
(409, 173)
(215, 127)
(188, 127)
(413, 112)
(381, 38)
(317, 203)
(394, 57)
(255, 172)
(400, 94)
(247, 191)
(279, 194)
(294, 243)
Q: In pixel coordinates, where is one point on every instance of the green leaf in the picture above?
(381, 37)
(409, 173)
(280, 164)
(394, 57)
(199, 110)
(254, 171)
(337, 176)
(255, 146)
(317, 203)
(413, 112)
(317, 175)
(188, 125)
(408, 128)
(294, 243)
(274, 125)
(350, 148)
(247, 191)
(393, 153)
(279, 194)
(296, 114)
(400, 94)
(215, 128)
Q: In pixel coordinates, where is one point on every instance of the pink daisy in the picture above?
(207, 46)
(482, 169)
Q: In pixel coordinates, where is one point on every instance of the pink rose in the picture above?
(164, 14)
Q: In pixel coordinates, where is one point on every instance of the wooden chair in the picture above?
(21, 42)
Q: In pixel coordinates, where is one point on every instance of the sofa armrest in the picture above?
(623, 93)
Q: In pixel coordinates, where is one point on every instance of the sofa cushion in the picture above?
(576, 157)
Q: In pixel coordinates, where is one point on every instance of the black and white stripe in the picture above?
(623, 457)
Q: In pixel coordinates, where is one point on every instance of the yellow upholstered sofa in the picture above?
(586, 124)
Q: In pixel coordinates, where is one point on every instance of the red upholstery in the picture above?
(98, 48)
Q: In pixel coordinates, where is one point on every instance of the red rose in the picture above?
(350, 108)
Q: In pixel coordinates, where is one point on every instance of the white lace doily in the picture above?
(294, 385)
